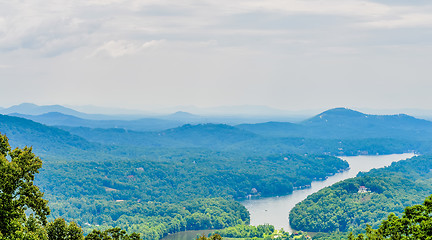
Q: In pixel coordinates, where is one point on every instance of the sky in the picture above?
(285, 54)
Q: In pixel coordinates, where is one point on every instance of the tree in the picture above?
(212, 237)
(17, 191)
(74, 232)
(112, 234)
(59, 230)
(415, 223)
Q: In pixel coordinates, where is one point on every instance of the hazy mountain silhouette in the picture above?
(342, 123)
(60, 119)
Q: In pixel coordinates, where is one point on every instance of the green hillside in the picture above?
(342, 207)
(47, 141)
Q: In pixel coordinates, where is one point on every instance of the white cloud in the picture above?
(403, 21)
(119, 48)
(322, 7)
(210, 43)
(39, 24)
(5, 66)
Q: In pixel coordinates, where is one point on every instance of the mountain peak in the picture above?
(182, 114)
(346, 112)
(335, 114)
(26, 105)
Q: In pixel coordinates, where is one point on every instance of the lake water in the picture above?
(275, 210)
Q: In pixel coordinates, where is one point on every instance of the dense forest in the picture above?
(343, 207)
(123, 193)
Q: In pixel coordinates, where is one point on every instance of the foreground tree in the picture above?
(60, 230)
(415, 223)
(17, 190)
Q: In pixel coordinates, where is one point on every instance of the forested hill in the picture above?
(342, 123)
(47, 141)
(222, 137)
(344, 207)
(98, 143)
(201, 135)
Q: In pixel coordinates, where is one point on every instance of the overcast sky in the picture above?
(287, 54)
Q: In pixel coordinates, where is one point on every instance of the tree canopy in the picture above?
(17, 190)
(415, 223)
(342, 207)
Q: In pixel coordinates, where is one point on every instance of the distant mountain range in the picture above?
(60, 119)
(337, 131)
(228, 115)
(33, 109)
(337, 123)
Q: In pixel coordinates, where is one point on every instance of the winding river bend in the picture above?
(275, 210)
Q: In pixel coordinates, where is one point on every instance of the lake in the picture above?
(275, 210)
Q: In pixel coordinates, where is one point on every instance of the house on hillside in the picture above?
(362, 189)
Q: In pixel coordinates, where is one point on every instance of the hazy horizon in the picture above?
(245, 111)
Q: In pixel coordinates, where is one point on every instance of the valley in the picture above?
(194, 176)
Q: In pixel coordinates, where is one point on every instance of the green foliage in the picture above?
(341, 207)
(112, 234)
(82, 191)
(48, 141)
(212, 237)
(331, 236)
(17, 190)
(60, 230)
(220, 137)
(156, 198)
(263, 232)
(415, 223)
(173, 167)
(155, 219)
(247, 231)
(187, 176)
(57, 230)
(125, 193)
(160, 197)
